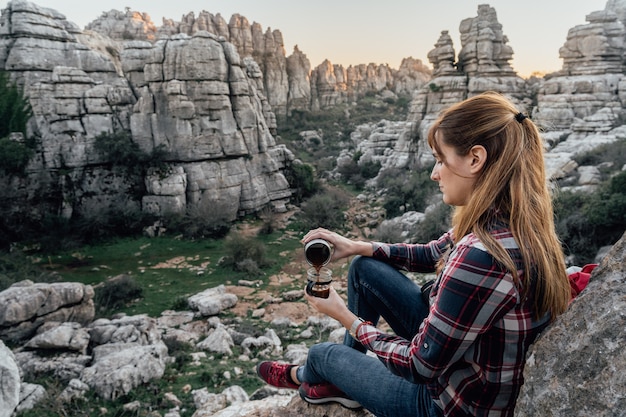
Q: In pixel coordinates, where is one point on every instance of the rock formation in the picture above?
(578, 108)
(482, 65)
(25, 306)
(288, 82)
(575, 368)
(583, 105)
(192, 98)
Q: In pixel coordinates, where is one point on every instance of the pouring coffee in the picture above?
(318, 253)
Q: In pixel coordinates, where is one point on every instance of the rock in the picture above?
(30, 395)
(264, 346)
(120, 372)
(218, 341)
(574, 368)
(212, 301)
(67, 336)
(214, 134)
(64, 366)
(25, 306)
(139, 329)
(10, 382)
(76, 389)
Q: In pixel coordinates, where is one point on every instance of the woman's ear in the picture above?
(478, 155)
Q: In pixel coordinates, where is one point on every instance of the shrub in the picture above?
(325, 209)
(245, 254)
(14, 156)
(205, 220)
(586, 222)
(15, 111)
(120, 150)
(405, 194)
(301, 179)
(436, 222)
(117, 292)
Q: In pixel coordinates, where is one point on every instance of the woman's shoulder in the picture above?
(502, 234)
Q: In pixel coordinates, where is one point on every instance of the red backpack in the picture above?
(579, 280)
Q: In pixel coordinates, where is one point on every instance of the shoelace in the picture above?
(275, 374)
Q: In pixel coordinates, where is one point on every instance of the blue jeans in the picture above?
(375, 290)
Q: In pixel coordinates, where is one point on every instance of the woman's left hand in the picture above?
(334, 306)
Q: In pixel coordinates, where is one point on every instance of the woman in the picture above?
(500, 281)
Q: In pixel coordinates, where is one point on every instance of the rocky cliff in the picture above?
(288, 81)
(192, 98)
(578, 108)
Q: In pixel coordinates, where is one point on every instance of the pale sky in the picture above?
(350, 32)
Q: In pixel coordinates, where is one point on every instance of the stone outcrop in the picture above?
(191, 98)
(483, 64)
(578, 108)
(583, 105)
(9, 381)
(288, 81)
(26, 306)
(576, 366)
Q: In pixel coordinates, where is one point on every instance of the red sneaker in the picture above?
(325, 393)
(276, 374)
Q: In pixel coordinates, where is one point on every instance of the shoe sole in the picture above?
(345, 402)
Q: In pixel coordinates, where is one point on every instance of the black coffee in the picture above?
(317, 254)
(321, 290)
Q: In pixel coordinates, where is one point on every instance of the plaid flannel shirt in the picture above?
(471, 348)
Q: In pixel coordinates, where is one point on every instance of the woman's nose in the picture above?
(434, 174)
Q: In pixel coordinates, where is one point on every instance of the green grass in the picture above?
(166, 268)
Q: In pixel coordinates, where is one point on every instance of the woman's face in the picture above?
(455, 174)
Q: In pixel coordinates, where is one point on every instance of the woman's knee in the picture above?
(361, 269)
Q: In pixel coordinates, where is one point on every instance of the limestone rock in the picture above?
(67, 336)
(82, 84)
(212, 301)
(30, 395)
(218, 341)
(10, 381)
(484, 50)
(595, 48)
(64, 366)
(26, 306)
(139, 329)
(128, 25)
(443, 57)
(120, 372)
(574, 368)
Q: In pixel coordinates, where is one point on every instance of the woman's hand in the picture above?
(342, 246)
(333, 306)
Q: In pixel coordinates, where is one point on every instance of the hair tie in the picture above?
(520, 117)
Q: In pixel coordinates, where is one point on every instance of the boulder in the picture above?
(575, 368)
(118, 373)
(212, 301)
(25, 306)
(10, 382)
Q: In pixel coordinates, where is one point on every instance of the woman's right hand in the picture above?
(342, 246)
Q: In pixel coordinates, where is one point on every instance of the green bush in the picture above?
(14, 156)
(15, 111)
(586, 222)
(207, 220)
(436, 222)
(405, 194)
(325, 209)
(301, 179)
(120, 150)
(245, 254)
(117, 292)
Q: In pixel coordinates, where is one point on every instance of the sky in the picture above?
(351, 32)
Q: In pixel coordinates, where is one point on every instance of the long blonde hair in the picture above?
(513, 185)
